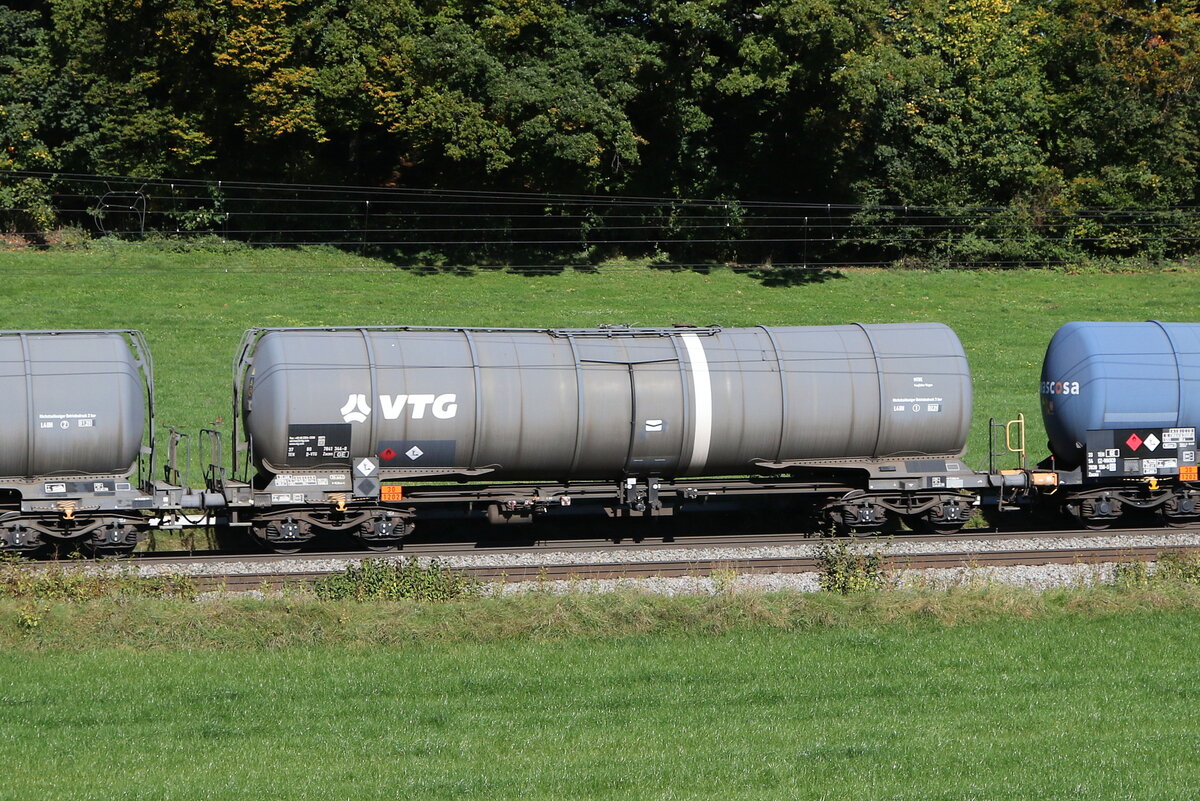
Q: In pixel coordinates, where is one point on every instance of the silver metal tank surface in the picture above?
(604, 403)
(1118, 376)
(73, 404)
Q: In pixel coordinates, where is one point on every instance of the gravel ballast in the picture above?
(1033, 576)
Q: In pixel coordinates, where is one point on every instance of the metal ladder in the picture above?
(1014, 442)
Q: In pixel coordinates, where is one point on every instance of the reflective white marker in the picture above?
(702, 392)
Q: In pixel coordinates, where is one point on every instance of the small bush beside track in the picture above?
(1174, 568)
(381, 580)
(846, 570)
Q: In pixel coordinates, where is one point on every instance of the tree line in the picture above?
(1015, 121)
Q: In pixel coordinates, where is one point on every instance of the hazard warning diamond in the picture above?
(1134, 442)
(387, 454)
(414, 453)
(1152, 442)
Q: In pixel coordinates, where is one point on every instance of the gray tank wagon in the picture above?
(74, 424)
(338, 423)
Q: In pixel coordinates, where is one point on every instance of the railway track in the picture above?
(241, 582)
(440, 548)
(589, 559)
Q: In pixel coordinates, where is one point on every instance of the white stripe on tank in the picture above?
(702, 393)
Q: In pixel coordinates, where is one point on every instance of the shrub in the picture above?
(1173, 567)
(844, 571)
(1179, 567)
(378, 579)
(1132, 575)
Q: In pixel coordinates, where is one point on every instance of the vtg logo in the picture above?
(356, 409)
(443, 407)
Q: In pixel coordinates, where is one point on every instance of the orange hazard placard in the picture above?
(391, 492)
(1189, 473)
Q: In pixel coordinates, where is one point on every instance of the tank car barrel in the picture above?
(73, 430)
(601, 404)
(1121, 403)
(1134, 377)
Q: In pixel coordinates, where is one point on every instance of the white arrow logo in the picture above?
(356, 402)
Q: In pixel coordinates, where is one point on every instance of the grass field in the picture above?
(1090, 707)
(193, 307)
(991, 696)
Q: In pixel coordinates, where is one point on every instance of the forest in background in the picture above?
(964, 130)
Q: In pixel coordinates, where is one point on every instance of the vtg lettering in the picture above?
(442, 407)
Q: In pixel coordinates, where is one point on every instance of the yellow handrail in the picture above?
(1008, 437)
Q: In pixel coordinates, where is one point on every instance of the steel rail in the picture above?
(651, 543)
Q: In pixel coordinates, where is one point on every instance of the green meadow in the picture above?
(1060, 706)
(194, 305)
(973, 694)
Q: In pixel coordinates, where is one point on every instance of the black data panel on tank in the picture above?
(1123, 452)
(314, 444)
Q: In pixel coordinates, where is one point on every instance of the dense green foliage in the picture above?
(1046, 111)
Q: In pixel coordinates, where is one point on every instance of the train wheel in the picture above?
(1081, 517)
(944, 520)
(1173, 521)
(114, 539)
(384, 533)
(941, 528)
(856, 516)
(1182, 510)
(283, 536)
(21, 540)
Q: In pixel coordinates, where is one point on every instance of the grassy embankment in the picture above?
(988, 694)
(1061, 706)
